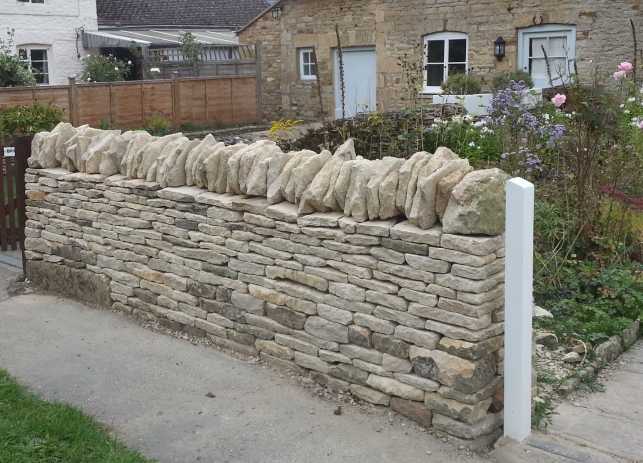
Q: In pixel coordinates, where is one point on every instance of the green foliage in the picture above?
(13, 72)
(158, 125)
(29, 119)
(589, 302)
(33, 430)
(191, 50)
(503, 80)
(473, 139)
(103, 69)
(461, 84)
(105, 125)
(542, 416)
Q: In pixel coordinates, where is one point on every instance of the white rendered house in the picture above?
(48, 34)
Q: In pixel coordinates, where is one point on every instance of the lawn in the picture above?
(33, 430)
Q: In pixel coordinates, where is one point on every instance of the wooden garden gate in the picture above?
(13, 165)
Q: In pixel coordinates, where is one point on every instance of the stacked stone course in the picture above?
(397, 315)
(406, 317)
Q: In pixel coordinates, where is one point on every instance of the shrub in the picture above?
(13, 72)
(517, 75)
(158, 125)
(103, 69)
(29, 119)
(462, 84)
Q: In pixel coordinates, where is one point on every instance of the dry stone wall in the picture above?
(399, 312)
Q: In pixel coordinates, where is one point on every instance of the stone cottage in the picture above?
(438, 36)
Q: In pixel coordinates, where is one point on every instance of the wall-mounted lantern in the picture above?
(276, 11)
(499, 48)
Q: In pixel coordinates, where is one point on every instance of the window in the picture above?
(32, 1)
(445, 53)
(307, 65)
(38, 63)
(557, 43)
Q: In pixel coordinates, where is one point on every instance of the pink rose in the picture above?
(640, 125)
(625, 66)
(619, 74)
(559, 99)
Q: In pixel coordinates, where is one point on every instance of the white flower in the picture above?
(622, 105)
(626, 111)
(629, 100)
(129, 62)
(155, 70)
(472, 144)
(115, 68)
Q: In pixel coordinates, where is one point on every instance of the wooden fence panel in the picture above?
(219, 92)
(244, 100)
(127, 105)
(56, 96)
(157, 100)
(94, 104)
(194, 103)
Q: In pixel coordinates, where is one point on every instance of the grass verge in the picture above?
(36, 431)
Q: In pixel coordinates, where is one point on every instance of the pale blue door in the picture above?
(359, 82)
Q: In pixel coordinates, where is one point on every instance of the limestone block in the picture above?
(411, 190)
(289, 189)
(148, 155)
(356, 204)
(324, 181)
(445, 188)
(111, 161)
(65, 132)
(426, 214)
(404, 178)
(343, 182)
(139, 141)
(36, 147)
(463, 412)
(356, 352)
(257, 179)
(458, 332)
(195, 154)
(171, 172)
(396, 364)
(486, 392)
(276, 166)
(326, 329)
(374, 323)
(418, 337)
(387, 193)
(275, 193)
(349, 373)
(312, 363)
(467, 376)
(417, 381)
(370, 395)
(477, 204)
(304, 176)
(394, 387)
(360, 335)
(467, 431)
(380, 171)
(416, 411)
(470, 350)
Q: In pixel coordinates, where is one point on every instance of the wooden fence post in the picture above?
(73, 102)
(23, 152)
(176, 101)
(258, 73)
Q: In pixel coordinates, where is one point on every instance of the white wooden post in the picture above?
(519, 244)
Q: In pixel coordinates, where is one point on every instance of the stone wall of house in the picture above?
(401, 313)
(396, 29)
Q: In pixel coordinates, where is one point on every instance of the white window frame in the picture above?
(546, 31)
(305, 67)
(447, 37)
(32, 1)
(29, 49)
